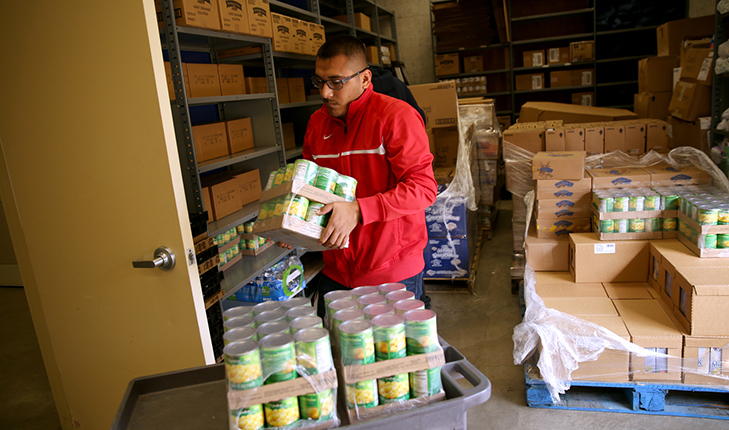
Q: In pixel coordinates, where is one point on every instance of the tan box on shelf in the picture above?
(583, 99)
(282, 91)
(689, 133)
(546, 254)
(656, 137)
(249, 185)
(225, 197)
(655, 75)
(582, 51)
(301, 36)
(705, 360)
(445, 64)
(373, 55)
(697, 65)
(564, 208)
(297, 92)
(240, 135)
(690, 101)
(283, 33)
(232, 80)
(473, 64)
(208, 203)
(559, 165)
(211, 141)
(564, 189)
(237, 52)
(259, 18)
(614, 137)
(611, 365)
(534, 81)
(594, 139)
(635, 133)
(583, 77)
(191, 13)
(202, 80)
(439, 102)
(620, 178)
(256, 85)
(555, 140)
(701, 300)
(534, 58)
(558, 55)
(531, 140)
(570, 114)
(664, 175)
(592, 260)
(360, 20)
(561, 78)
(652, 105)
(318, 37)
(233, 16)
(289, 137)
(574, 138)
(670, 35)
(650, 327)
(550, 228)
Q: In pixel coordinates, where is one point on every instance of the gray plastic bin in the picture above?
(195, 399)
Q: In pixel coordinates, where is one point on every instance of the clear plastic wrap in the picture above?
(565, 343)
(280, 282)
(723, 6)
(519, 183)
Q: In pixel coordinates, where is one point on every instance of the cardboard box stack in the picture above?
(227, 192)
(222, 138)
(252, 17)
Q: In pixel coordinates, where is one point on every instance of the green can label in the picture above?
(282, 413)
(422, 336)
(305, 171)
(278, 205)
(636, 225)
(723, 217)
(722, 240)
(265, 211)
(289, 172)
(670, 203)
(247, 418)
(425, 382)
(621, 204)
(278, 363)
(357, 348)
(652, 203)
(315, 357)
(244, 371)
(652, 224)
(312, 217)
(606, 226)
(363, 394)
(393, 389)
(710, 241)
(346, 187)
(280, 174)
(317, 406)
(326, 179)
(708, 216)
(670, 224)
(390, 342)
(636, 203)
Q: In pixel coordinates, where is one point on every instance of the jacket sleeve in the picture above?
(408, 152)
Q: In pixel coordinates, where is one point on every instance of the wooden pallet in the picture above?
(458, 285)
(648, 398)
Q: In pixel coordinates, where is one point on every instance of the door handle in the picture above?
(164, 258)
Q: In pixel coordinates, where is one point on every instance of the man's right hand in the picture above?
(284, 245)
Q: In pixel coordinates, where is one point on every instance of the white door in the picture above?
(90, 181)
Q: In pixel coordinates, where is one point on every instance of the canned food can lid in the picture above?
(390, 287)
(408, 305)
(388, 320)
(364, 291)
(266, 306)
(419, 315)
(348, 314)
(295, 302)
(238, 311)
(300, 311)
(239, 333)
(240, 347)
(396, 296)
(343, 304)
(305, 322)
(338, 294)
(371, 299)
(270, 316)
(355, 327)
(312, 334)
(239, 321)
(276, 340)
(272, 327)
(378, 309)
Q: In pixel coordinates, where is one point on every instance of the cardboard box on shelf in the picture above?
(697, 65)
(297, 91)
(564, 208)
(569, 113)
(373, 55)
(289, 137)
(633, 177)
(282, 91)
(670, 35)
(225, 197)
(301, 36)
(447, 64)
(259, 18)
(664, 175)
(534, 58)
(652, 105)
(249, 185)
(665, 255)
(627, 290)
(635, 133)
(594, 139)
(650, 327)
(256, 85)
(533, 81)
(583, 99)
(601, 306)
(283, 33)
(240, 135)
(687, 133)
(656, 137)
(583, 77)
(558, 55)
(611, 365)
(554, 140)
(531, 140)
(655, 75)
(574, 138)
(233, 17)
(211, 141)
(592, 260)
(232, 81)
(202, 80)
(318, 37)
(191, 13)
(563, 189)
(546, 254)
(473, 64)
(237, 52)
(559, 165)
(549, 228)
(582, 51)
(553, 278)
(439, 102)
(704, 360)
(207, 203)
(701, 300)
(690, 101)
(561, 78)
(614, 137)
(446, 147)
(360, 20)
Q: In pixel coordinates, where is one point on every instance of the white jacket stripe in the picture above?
(378, 151)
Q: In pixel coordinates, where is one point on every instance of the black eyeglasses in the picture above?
(335, 84)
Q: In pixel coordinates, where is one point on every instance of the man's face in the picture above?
(339, 67)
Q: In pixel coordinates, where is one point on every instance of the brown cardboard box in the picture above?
(582, 51)
(297, 92)
(583, 77)
(564, 208)
(283, 33)
(611, 365)
(651, 328)
(256, 85)
(561, 78)
(447, 64)
(705, 360)
(530, 82)
(443, 175)
(686, 133)
(203, 80)
(232, 81)
(574, 139)
(360, 20)
(211, 141)
(439, 102)
(558, 55)
(233, 16)
(559, 165)
(530, 140)
(656, 137)
(225, 197)
(249, 186)
(373, 56)
(614, 137)
(546, 254)
(697, 65)
(592, 260)
(473, 64)
(550, 228)
(595, 306)
(563, 189)
(504, 122)
(594, 139)
(569, 113)
(534, 58)
(619, 178)
(668, 254)
(664, 175)
(553, 278)
(207, 203)
(191, 13)
(240, 135)
(652, 105)
(627, 290)
(431, 141)
(170, 82)
(655, 75)
(446, 146)
(282, 91)
(301, 36)
(635, 133)
(701, 300)
(318, 37)
(289, 137)
(690, 101)
(554, 140)
(670, 35)
(259, 18)
(237, 52)
(583, 99)
(569, 289)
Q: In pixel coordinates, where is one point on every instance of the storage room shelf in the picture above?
(626, 30)
(503, 93)
(581, 87)
(724, 15)
(284, 58)
(287, 9)
(552, 15)
(247, 213)
(472, 48)
(503, 112)
(721, 132)
(613, 84)
(612, 60)
(220, 40)
(331, 25)
(217, 163)
(554, 39)
(293, 153)
(554, 66)
(466, 75)
(228, 99)
(387, 39)
(361, 32)
(313, 264)
(249, 267)
(302, 104)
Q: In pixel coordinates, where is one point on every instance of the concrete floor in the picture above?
(479, 326)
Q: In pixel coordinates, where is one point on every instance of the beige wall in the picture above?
(414, 38)
(7, 253)
(701, 8)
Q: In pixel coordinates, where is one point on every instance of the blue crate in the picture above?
(443, 260)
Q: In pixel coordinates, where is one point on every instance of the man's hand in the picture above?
(345, 217)
(284, 245)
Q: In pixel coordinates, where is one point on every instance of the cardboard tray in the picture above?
(194, 399)
(703, 229)
(254, 252)
(703, 253)
(302, 189)
(626, 236)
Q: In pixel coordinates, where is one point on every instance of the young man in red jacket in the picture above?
(381, 142)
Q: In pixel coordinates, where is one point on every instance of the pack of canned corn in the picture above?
(702, 207)
(244, 242)
(654, 203)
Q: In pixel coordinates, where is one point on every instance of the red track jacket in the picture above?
(384, 146)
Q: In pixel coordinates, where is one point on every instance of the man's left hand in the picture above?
(345, 217)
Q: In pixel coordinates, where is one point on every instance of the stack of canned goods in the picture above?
(705, 205)
(245, 244)
(629, 200)
(298, 206)
(250, 244)
(278, 351)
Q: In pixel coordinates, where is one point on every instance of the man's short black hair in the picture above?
(343, 44)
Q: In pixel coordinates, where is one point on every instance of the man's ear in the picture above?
(366, 78)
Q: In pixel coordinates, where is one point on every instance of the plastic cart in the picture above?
(195, 399)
